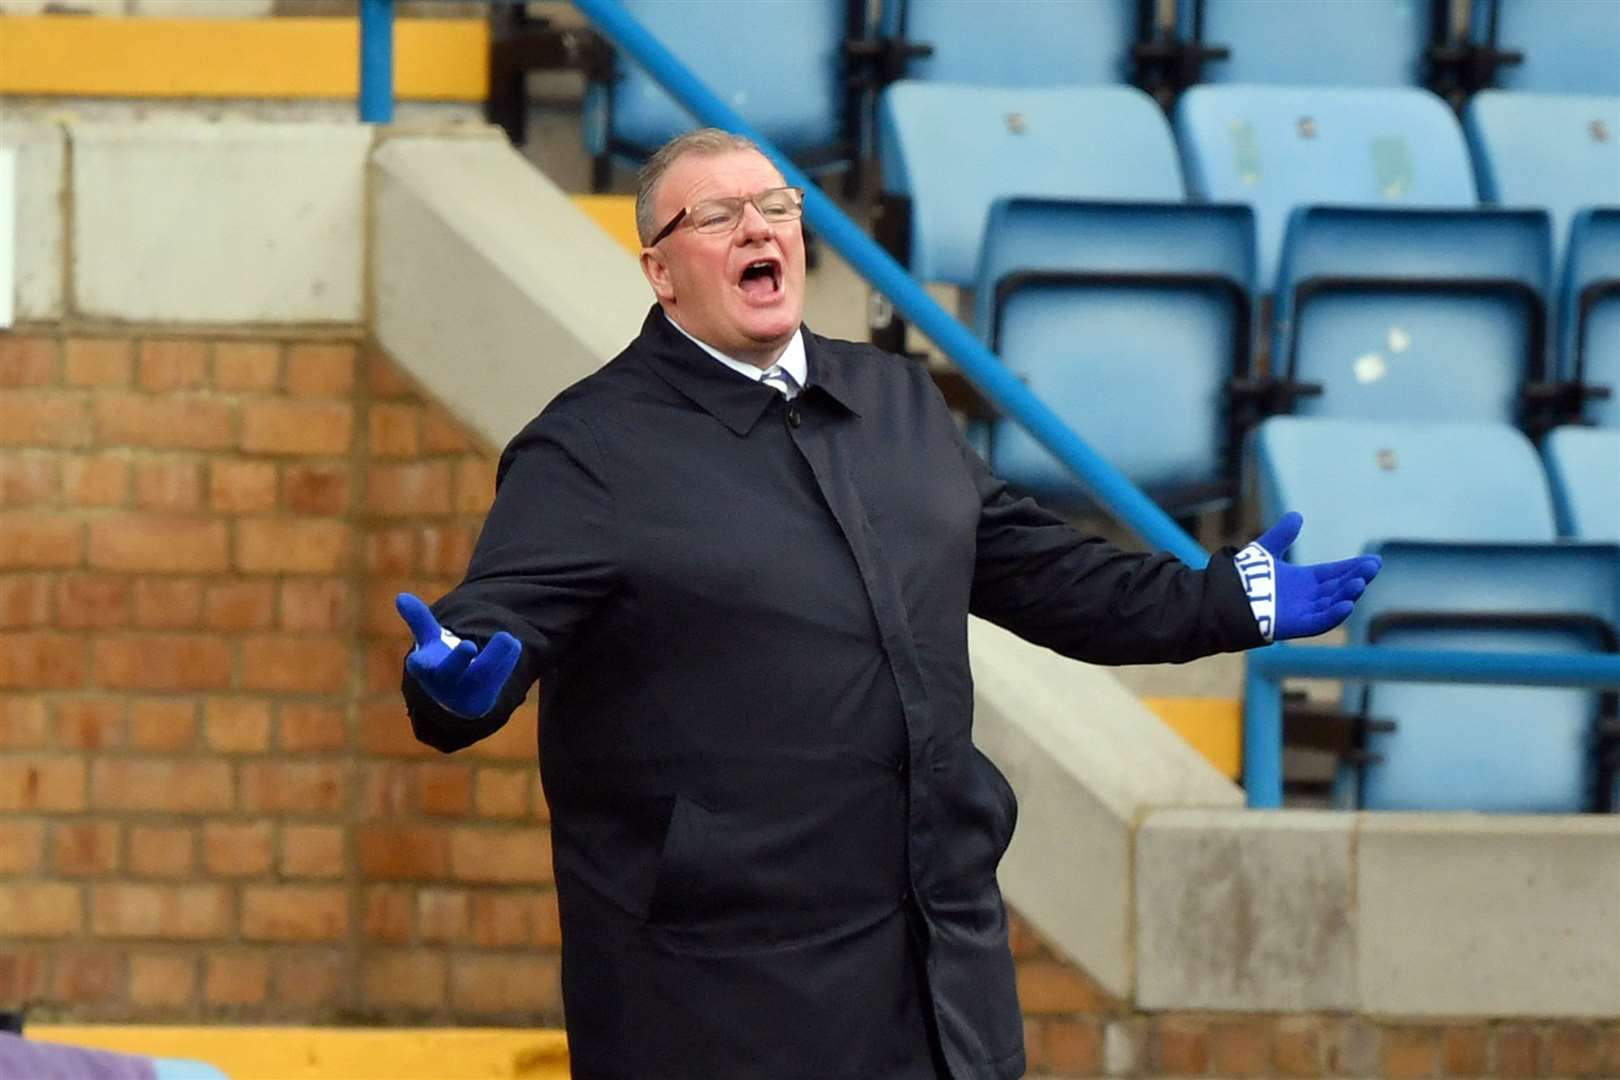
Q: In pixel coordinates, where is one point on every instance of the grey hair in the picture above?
(708, 141)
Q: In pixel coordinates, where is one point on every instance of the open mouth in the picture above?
(761, 279)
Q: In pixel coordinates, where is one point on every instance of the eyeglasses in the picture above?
(775, 205)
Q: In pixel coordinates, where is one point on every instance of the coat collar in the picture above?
(735, 400)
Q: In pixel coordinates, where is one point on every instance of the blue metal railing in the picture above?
(1262, 737)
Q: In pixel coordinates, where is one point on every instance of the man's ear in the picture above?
(657, 274)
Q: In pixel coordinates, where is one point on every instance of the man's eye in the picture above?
(774, 210)
(712, 220)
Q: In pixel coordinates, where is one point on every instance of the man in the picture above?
(740, 559)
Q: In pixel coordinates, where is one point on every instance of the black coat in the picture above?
(775, 844)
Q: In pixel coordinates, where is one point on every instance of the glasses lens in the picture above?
(720, 215)
(779, 204)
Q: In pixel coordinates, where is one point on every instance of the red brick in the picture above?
(158, 980)
(161, 662)
(22, 722)
(504, 984)
(1516, 1052)
(236, 725)
(408, 490)
(158, 543)
(178, 421)
(384, 727)
(306, 979)
(278, 787)
(253, 366)
(1045, 987)
(306, 663)
(1073, 1046)
(86, 848)
(444, 434)
(391, 852)
(1241, 1048)
(1180, 1047)
(320, 370)
(475, 486)
(99, 361)
(441, 915)
(235, 977)
(305, 728)
(25, 601)
(241, 487)
(173, 364)
(391, 552)
(501, 920)
(29, 480)
(515, 741)
(89, 723)
(190, 912)
(384, 379)
(87, 976)
(159, 785)
(237, 849)
(31, 540)
(444, 789)
(387, 914)
(38, 660)
(295, 913)
(43, 418)
(40, 910)
(316, 488)
(162, 725)
(502, 793)
(402, 980)
(1572, 1050)
(547, 923)
(291, 546)
(92, 602)
(95, 481)
(169, 485)
(1463, 1050)
(22, 974)
(239, 605)
(316, 605)
(312, 851)
(394, 430)
(503, 856)
(387, 790)
(161, 851)
(297, 427)
(22, 847)
(26, 360)
(168, 603)
(445, 550)
(1410, 1053)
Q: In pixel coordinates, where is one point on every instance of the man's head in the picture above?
(739, 288)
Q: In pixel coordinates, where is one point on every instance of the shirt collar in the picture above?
(791, 361)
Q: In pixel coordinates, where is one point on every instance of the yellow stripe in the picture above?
(616, 214)
(292, 1053)
(94, 56)
(1214, 726)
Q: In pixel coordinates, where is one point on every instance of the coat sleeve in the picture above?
(544, 561)
(1081, 596)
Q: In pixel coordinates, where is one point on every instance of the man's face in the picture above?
(703, 280)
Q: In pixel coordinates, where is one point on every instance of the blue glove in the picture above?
(454, 672)
(1291, 601)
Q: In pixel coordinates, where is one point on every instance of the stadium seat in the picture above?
(1589, 320)
(1280, 147)
(1314, 42)
(1016, 42)
(1413, 314)
(1565, 46)
(1125, 318)
(795, 97)
(1583, 466)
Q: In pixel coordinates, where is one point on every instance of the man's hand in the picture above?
(1299, 601)
(454, 672)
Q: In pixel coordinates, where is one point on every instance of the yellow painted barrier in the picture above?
(1214, 726)
(294, 1053)
(616, 214)
(94, 56)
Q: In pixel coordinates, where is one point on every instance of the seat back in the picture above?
(1569, 46)
(953, 150)
(1583, 467)
(1315, 42)
(1276, 148)
(1589, 322)
(1017, 42)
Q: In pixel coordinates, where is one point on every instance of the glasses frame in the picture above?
(741, 201)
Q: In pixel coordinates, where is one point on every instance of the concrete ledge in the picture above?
(41, 150)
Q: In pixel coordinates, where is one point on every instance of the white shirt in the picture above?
(791, 361)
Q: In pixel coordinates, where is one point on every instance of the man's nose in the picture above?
(754, 226)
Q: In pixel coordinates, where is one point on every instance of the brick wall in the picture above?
(211, 805)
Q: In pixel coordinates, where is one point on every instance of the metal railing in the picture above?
(1267, 667)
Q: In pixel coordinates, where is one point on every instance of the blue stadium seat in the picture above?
(1017, 42)
(1413, 314)
(793, 96)
(1278, 147)
(1583, 465)
(1127, 319)
(1589, 320)
(950, 151)
(1314, 42)
(1568, 46)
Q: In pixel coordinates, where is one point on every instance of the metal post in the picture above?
(1262, 738)
(377, 61)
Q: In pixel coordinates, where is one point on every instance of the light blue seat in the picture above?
(950, 151)
(1315, 42)
(1016, 42)
(1568, 46)
(1589, 319)
(1413, 314)
(1130, 320)
(1279, 147)
(1583, 466)
(794, 96)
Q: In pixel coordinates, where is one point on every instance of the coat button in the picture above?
(793, 417)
